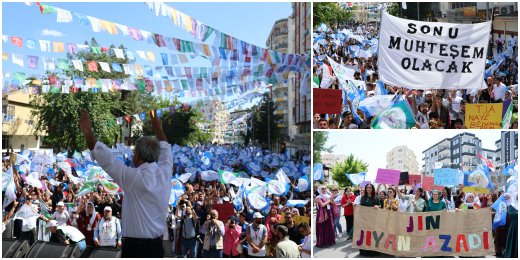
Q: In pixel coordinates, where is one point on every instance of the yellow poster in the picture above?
(58, 46)
(151, 56)
(298, 219)
(484, 116)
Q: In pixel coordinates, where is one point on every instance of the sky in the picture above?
(371, 146)
(250, 22)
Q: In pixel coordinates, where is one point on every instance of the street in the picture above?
(343, 247)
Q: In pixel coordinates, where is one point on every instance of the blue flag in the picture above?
(501, 212)
(356, 179)
(478, 178)
(303, 184)
(318, 172)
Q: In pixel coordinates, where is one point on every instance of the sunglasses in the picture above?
(288, 217)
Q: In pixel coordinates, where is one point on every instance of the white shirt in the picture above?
(307, 246)
(500, 40)
(61, 218)
(513, 41)
(147, 191)
(455, 104)
(499, 91)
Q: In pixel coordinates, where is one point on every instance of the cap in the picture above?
(371, 93)
(52, 223)
(60, 204)
(352, 126)
(427, 92)
(233, 218)
(226, 199)
(258, 215)
(108, 208)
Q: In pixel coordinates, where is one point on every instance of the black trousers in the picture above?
(31, 235)
(132, 250)
(350, 222)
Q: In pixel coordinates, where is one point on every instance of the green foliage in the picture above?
(329, 14)
(319, 138)
(350, 165)
(425, 10)
(261, 123)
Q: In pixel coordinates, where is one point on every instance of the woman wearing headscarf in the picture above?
(295, 212)
(435, 203)
(501, 232)
(469, 202)
(512, 236)
(89, 223)
(324, 219)
(271, 220)
(369, 200)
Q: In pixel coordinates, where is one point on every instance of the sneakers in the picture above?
(340, 235)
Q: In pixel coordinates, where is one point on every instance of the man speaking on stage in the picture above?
(147, 188)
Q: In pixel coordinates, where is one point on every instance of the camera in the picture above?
(212, 217)
(232, 222)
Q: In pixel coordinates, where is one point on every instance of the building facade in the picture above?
(292, 35)
(461, 152)
(235, 137)
(17, 132)
(403, 159)
(330, 160)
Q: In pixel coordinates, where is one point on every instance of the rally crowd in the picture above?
(93, 218)
(356, 47)
(330, 203)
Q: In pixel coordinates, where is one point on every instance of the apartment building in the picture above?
(403, 159)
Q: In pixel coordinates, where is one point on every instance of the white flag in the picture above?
(78, 64)
(326, 80)
(96, 24)
(64, 16)
(119, 53)
(105, 66)
(18, 59)
(45, 46)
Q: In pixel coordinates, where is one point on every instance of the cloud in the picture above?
(47, 32)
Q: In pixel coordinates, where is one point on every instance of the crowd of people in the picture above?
(330, 203)
(70, 213)
(355, 47)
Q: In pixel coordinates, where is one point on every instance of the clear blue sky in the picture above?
(250, 22)
(371, 146)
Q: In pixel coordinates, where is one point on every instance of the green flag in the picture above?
(95, 49)
(44, 209)
(209, 31)
(315, 82)
(506, 121)
(47, 9)
(90, 185)
(55, 90)
(20, 76)
(399, 116)
(140, 84)
(223, 41)
(227, 176)
(63, 64)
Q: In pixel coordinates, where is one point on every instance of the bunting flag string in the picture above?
(243, 51)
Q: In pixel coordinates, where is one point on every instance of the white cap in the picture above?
(257, 215)
(352, 126)
(52, 223)
(226, 199)
(60, 204)
(108, 208)
(427, 92)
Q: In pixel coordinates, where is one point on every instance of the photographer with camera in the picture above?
(213, 231)
(232, 246)
(188, 229)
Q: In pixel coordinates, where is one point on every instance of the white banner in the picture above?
(423, 55)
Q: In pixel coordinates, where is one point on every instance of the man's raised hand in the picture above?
(84, 122)
(157, 126)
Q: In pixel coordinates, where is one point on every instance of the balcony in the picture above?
(468, 154)
(468, 144)
(281, 46)
(281, 112)
(445, 148)
(284, 20)
(282, 33)
(444, 158)
(280, 99)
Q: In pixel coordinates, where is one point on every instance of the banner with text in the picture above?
(437, 233)
(425, 55)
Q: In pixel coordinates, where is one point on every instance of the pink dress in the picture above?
(325, 225)
(268, 221)
(230, 243)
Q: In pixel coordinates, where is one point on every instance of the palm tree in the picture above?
(350, 165)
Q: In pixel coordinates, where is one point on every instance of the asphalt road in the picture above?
(343, 247)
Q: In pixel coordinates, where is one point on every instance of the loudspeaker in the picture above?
(14, 248)
(42, 249)
(101, 252)
(174, 256)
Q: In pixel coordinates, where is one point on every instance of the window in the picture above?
(400, 150)
(400, 156)
(400, 162)
(456, 160)
(456, 141)
(456, 151)
(5, 141)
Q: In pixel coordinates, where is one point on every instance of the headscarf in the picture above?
(509, 201)
(430, 201)
(515, 201)
(469, 204)
(295, 211)
(323, 195)
(94, 213)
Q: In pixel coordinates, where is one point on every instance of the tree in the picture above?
(425, 10)
(329, 14)
(261, 123)
(348, 166)
(319, 138)
(58, 113)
